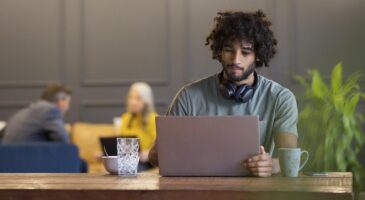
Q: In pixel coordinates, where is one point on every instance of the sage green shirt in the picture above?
(274, 105)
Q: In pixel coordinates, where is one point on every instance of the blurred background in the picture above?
(99, 48)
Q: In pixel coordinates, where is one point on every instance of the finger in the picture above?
(261, 174)
(259, 158)
(254, 158)
(262, 150)
(261, 169)
(259, 164)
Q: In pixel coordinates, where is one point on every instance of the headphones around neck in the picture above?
(240, 93)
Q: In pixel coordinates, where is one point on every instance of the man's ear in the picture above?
(219, 57)
(258, 63)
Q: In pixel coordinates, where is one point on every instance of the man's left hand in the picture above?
(260, 165)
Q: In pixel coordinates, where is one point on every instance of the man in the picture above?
(41, 121)
(242, 42)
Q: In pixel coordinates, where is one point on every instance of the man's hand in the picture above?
(260, 165)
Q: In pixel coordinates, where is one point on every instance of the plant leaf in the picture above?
(351, 105)
(351, 83)
(301, 80)
(336, 77)
(319, 88)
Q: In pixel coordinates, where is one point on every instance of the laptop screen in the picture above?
(110, 144)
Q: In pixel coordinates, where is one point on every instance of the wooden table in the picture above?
(151, 186)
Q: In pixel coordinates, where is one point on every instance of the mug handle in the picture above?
(306, 158)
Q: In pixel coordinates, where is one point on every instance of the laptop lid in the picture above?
(206, 145)
(110, 144)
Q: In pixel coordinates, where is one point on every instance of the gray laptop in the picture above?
(206, 146)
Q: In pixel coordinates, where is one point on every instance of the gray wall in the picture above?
(99, 48)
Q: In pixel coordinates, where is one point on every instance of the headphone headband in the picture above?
(240, 93)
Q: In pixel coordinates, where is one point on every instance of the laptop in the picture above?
(206, 145)
(110, 144)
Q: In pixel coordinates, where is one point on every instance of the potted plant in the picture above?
(329, 124)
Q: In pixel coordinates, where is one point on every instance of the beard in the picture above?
(237, 78)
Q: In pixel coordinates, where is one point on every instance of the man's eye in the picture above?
(244, 53)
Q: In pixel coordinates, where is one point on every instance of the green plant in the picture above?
(329, 124)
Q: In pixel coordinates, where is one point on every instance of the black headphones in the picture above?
(241, 93)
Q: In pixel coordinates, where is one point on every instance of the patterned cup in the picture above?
(289, 159)
(128, 157)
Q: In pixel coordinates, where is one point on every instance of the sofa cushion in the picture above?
(50, 157)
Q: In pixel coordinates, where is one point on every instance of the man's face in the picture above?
(64, 103)
(238, 60)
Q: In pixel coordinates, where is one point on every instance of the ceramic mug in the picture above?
(289, 159)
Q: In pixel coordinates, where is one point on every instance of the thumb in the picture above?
(262, 150)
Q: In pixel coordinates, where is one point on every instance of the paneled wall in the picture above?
(99, 48)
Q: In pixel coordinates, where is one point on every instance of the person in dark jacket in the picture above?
(41, 121)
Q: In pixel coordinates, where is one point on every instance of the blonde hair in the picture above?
(145, 91)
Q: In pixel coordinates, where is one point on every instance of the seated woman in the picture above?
(139, 120)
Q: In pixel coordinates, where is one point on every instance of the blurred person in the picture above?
(139, 120)
(42, 121)
(2, 129)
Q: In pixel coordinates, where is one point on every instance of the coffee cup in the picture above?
(290, 161)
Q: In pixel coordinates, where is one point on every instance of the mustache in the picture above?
(234, 65)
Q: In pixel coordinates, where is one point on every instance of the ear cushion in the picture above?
(227, 90)
(242, 93)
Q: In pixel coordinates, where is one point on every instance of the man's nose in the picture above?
(237, 57)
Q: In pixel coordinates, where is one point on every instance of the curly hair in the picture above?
(252, 27)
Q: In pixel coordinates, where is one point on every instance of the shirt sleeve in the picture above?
(179, 105)
(286, 111)
(54, 126)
